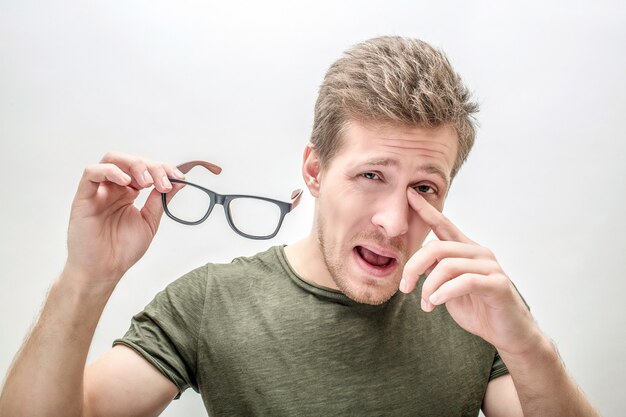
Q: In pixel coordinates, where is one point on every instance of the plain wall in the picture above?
(235, 83)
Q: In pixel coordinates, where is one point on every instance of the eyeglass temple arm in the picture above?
(185, 167)
(295, 198)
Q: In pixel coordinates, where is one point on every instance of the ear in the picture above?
(311, 170)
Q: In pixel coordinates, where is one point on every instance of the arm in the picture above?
(482, 300)
(501, 398)
(540, 383)
(106, 236)
(122, 383)
(543, 384)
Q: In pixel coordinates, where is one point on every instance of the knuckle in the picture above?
(487, 253)
(502, 284)
(446, 265)
(109, 156)
(503, 281)
(153, 165)
(138, 160)
(137, 167)
(473, 281)
(94, 169)
(159, 168)
(494, 266)
(157, 173)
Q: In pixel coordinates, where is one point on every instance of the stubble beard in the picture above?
(336, 267)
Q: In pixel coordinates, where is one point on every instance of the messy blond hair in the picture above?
(392, 80)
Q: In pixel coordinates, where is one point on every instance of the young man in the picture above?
(318, 327)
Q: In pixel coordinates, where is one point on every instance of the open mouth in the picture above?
(374, 259)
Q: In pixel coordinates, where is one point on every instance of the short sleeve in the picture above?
(498, 368)
(166, 332)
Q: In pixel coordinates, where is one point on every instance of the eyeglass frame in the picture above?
(225, 199)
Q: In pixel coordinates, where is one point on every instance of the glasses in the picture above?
(250, 216)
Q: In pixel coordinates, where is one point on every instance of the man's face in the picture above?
(365, 226)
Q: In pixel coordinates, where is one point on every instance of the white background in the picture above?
(235, 83)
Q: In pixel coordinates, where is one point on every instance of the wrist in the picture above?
(78, 281)
(539, 351)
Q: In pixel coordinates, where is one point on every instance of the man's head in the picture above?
(391, 115)
(397, 81)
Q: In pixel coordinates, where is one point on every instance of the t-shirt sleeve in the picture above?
(498, 368)
(166, 332)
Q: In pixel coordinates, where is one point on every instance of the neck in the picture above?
(305, 257)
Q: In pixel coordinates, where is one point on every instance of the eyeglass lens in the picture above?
(190, 204)
(253, 216)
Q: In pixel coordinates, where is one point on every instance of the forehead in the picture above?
(401, 146)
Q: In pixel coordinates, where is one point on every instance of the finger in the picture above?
(443, 228)
(427, 258)
(161, 182)
(173, 172)
(94, 175)
(468, 284)
(141, 176)
(122, 160)
(152, 211)
(452, 268)
(136, 167)
(144, 172)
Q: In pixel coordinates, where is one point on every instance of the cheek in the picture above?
(347, 214)
(418, 231)
(438, 204)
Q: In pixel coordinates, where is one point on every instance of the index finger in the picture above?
(441, 226)
(93, 175)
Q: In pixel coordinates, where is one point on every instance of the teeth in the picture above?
(373, 258)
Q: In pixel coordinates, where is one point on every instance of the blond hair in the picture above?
(392, 80)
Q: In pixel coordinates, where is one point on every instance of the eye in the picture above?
(426, 189)
(370, 175)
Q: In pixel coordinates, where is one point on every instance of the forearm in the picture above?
(543, 385)
(46, 377)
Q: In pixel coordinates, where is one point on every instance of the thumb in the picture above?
(152, 210)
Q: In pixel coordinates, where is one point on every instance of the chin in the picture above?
(367, 294)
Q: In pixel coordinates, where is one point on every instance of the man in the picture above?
(317, 327)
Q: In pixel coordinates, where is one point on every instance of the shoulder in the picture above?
(264, 271)
(256, 266)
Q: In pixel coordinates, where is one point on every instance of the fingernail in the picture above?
(179, 174)
(434, 299)
(424, 305)
(403, 285)
(166, 182)
(147, 177)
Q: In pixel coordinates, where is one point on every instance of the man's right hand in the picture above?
(107, 234)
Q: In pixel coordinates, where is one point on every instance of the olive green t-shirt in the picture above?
(255, 339)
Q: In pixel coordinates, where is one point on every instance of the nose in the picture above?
(392, 215)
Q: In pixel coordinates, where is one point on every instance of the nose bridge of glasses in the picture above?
(219, 199)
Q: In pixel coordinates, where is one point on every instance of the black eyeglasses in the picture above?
(250, 216)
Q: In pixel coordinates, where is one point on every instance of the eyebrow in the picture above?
(430, 169)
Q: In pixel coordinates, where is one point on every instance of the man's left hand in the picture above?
(468, 279)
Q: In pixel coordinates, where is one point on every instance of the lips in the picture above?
(374, 259)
